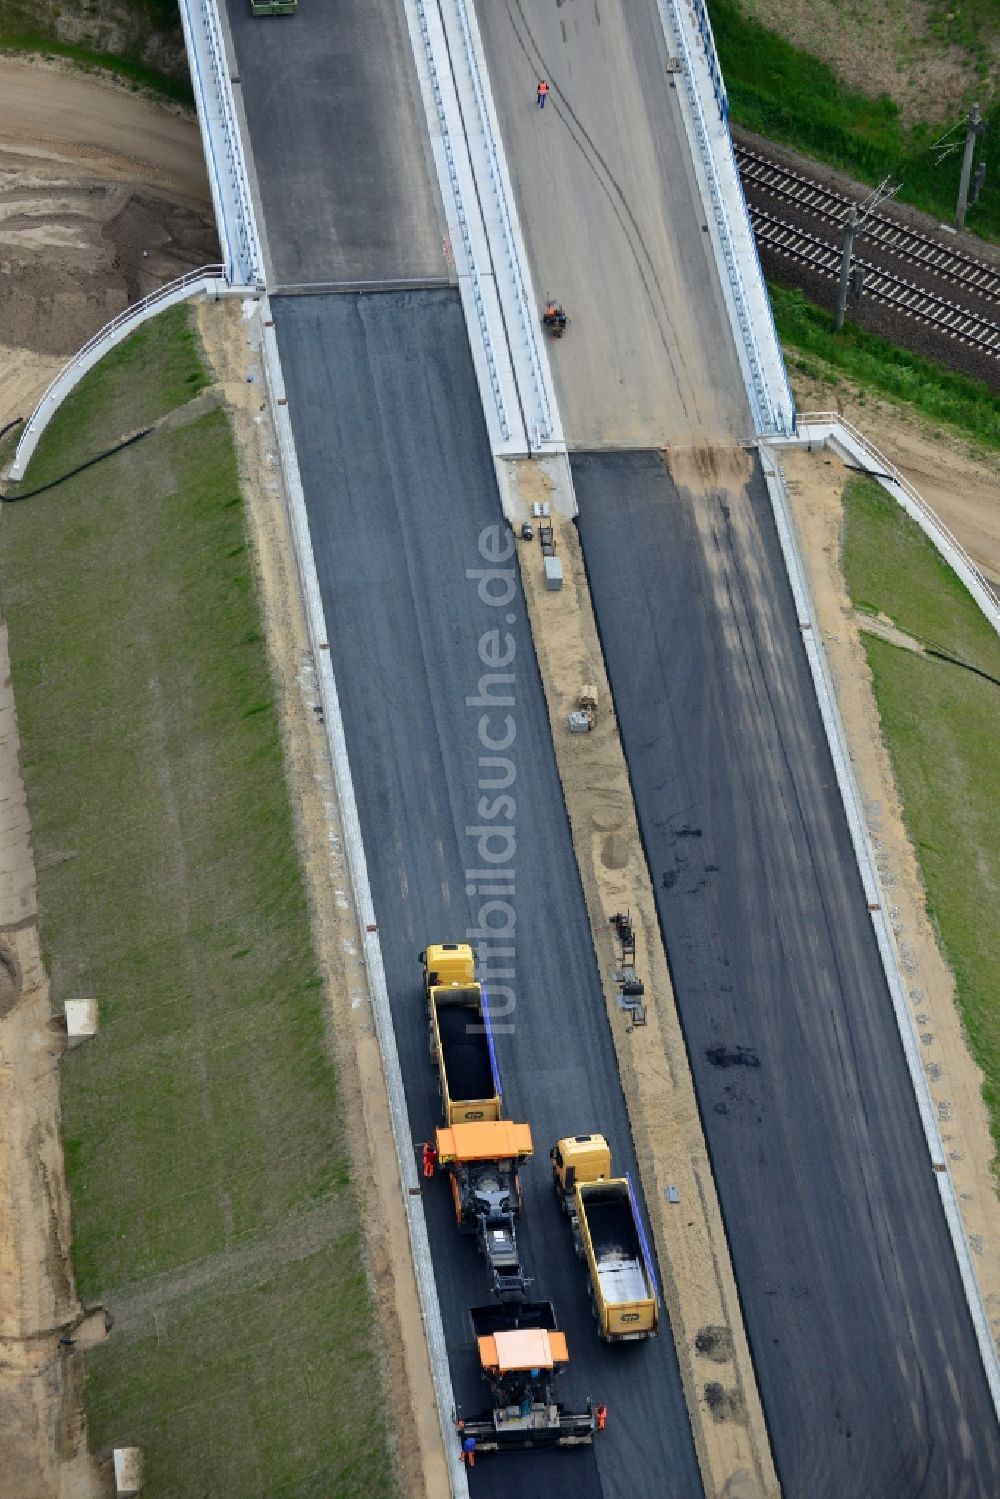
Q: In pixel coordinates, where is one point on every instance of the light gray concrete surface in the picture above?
(863, 1343)
(613, 223)
(400, 488)
(339, 143)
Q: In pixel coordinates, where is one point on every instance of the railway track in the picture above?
(879, 284)
(806, 196)
(925, 280)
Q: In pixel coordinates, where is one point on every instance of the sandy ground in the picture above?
(103, 197)
(699, 1286)
(816, 485)
(231, 343)
(959, 482)
(43, 1435)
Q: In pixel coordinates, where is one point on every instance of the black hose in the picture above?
(965, 665)
(10, 426)
(10, 499)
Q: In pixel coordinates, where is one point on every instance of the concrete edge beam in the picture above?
(364, 906)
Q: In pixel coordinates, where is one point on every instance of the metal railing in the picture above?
(711, 57)
(221, 136)
(475, 280)
(766, 418)
(97, 346)
(526, 317)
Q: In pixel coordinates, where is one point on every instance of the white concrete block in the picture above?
(81, 1025)
(128, 1472)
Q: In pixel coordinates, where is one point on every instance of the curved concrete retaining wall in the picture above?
(829, 429)
(208, 282)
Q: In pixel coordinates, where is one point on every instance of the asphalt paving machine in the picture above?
(521, 1353)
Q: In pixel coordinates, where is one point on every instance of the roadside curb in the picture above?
(364, 906)
(878, 909)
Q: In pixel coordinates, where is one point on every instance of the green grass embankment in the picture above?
(942, 726)
(789, 95)
(882, 368)
(212, 1211)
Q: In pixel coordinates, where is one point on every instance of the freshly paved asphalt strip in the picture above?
(339, 142)
(612, 221)
(865, 1353)
(400, 489)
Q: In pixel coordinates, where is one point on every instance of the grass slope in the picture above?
(212, 1210)
(790, 95)
(883, 368)
(942, 727)
(139, 40)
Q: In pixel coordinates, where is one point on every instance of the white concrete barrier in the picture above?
(828, 428)
(227, 173)
(706, 117)
(207, 282)
(81, 1021)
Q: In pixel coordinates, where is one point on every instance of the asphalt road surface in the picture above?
(402, 503)
(867, 1363)
(612, 222)
(339, 143)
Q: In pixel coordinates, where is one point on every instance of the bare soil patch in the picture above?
(880, 47)
(960, 482)
(103, 197)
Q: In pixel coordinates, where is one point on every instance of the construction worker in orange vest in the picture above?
(543, 93)
(430, 1158)
(601, 1416)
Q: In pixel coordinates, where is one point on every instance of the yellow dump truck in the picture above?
(521, 1351)
(461, 1041)
(609, 1237)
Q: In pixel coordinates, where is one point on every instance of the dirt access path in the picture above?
(43, 1435)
